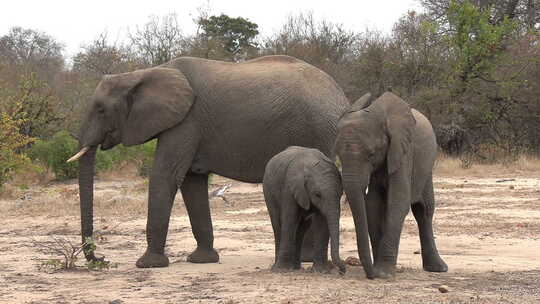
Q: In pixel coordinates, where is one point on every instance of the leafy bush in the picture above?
(11, 142)
(54, 152)
(146, 158)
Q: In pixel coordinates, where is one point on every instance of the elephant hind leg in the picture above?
(195, 193)
(300, 233)
(307, 246)
(423, 213)
(276, 226)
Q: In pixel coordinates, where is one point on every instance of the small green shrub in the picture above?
(69, 253)
(61, 247)
(51, 265)
(146, 158)
(100, 265)
(53, 153)
(11, 142)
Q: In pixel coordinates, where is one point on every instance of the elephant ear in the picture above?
(156, 100)
(361, 103)
(298, 187)
(400, 124)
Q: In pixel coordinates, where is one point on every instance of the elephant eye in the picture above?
(318, 194)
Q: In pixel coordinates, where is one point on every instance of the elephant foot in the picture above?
(322, 267)
(203, 256)
(328, 266)
(384, 271)
(342, 268)
(149, 260)
(307, 254)
(434, 263)
(283, 267)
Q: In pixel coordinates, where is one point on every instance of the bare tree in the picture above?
(32, 50)
(159, 40)
(101, 57)
(324, 44)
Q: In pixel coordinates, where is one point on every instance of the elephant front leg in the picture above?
(397, 206)
(195, 193)
(320, 246)
(287, 255)
(308, 251)
(301, 231)
(172, 160)
(162, 190)
(375, 207)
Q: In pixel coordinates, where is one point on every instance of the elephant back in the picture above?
(256, 109)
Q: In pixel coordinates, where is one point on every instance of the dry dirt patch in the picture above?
(488, 232)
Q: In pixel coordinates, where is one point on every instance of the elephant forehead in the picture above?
(349, 131)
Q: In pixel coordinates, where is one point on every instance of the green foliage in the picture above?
(100, 265)
(145, 158)
(89, 246)
(53, 153)
(11, 142)
(70, 254)
(51, 265)
(33, 103)
(477, 41)
(235, 35)
(58, 246)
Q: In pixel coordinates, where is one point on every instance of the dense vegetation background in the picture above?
(471, 65)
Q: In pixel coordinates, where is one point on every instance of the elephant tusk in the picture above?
(78, 155)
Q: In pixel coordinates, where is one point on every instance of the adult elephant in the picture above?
(208, 117)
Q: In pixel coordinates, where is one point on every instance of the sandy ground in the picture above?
(487, 228)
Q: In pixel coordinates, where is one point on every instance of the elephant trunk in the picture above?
(86, 194)
(355, 185)
(333, 228)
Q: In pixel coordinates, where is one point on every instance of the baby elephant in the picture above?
(302, 187)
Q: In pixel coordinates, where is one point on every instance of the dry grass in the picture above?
(487, 232)
(123, 193)
(451, 166)
(125, 171)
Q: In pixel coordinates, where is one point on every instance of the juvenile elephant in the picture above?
(300, 183)
(392, 149)
(208, 116)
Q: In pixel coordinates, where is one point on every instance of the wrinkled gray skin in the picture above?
(208, 116)
(392, 149)
(301, 183)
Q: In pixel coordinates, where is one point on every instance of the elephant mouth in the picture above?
(111, 140)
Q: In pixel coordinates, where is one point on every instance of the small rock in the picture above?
(443, 288)
(117, 301)
(257, 267)
(352, 261)
(511, 187)
(417, 251)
